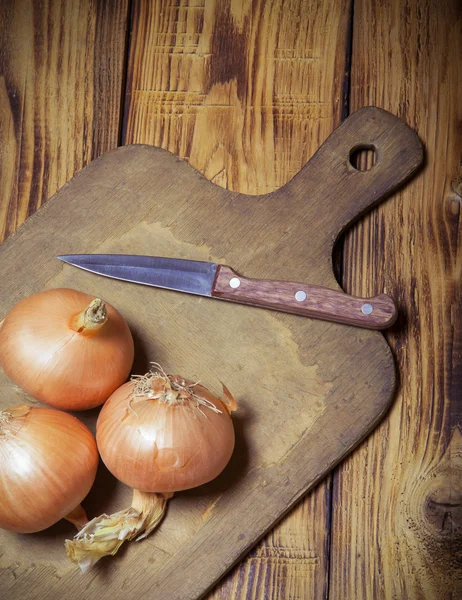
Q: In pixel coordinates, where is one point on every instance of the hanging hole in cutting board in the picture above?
(363, 158)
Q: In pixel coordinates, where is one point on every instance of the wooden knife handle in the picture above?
(304, 299)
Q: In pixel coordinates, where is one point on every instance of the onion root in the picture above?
(104, 535)
(156, 384)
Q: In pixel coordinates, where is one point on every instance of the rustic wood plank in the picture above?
(61, 76)
(246, 92)
(397, 500)
(288, 563)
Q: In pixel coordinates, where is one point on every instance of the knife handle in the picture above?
(305, 300)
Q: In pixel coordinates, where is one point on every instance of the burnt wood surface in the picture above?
(246, 92)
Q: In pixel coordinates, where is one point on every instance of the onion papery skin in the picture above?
(48, 463)
(48, 359)
(155, 446)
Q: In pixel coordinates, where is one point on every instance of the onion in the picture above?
(48, 462)
(66, 349)
(158, 434)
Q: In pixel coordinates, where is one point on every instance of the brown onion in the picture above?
(158, 434)
(48, 462)
(66, 348)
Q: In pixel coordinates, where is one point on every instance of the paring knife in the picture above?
(220, 281)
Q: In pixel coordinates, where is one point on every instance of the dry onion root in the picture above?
(66, 348)
(48, 462)
(104, 535)
(158, 434)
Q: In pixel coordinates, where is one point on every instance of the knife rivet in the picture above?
(234, 283)
(367, 309)
(300, 296)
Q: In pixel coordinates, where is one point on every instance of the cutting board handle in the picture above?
(347, 190)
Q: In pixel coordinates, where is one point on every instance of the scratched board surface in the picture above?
(309, 390)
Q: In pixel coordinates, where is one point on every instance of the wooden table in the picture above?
(246, 91)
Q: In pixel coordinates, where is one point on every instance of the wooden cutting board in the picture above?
(309, 390)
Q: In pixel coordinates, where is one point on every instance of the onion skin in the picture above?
(44, 353)
(48, 463)
(158, 434)
(155, 446)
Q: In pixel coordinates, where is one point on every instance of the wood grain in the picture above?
(246, 92)
(397, 500)
(61, 75)
(317, 302)
(308, 390)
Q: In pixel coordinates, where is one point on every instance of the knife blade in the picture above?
(222, 282)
